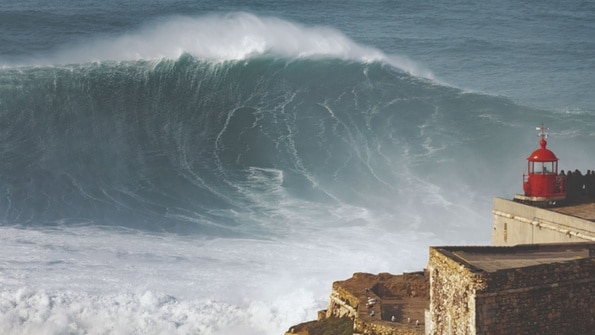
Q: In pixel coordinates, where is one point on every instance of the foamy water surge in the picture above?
(92, 281)
(28, 311)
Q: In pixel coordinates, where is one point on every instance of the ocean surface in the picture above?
(211, 167)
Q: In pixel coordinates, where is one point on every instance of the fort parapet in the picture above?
(517, 223)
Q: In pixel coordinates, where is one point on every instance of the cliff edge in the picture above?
(380, 304)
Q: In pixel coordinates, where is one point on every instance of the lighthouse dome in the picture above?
(542, 154)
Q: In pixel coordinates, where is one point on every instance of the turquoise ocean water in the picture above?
(210, 167)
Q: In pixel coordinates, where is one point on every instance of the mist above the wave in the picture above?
(227, 37)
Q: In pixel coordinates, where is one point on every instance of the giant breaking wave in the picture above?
(238, 143)
(189, 144)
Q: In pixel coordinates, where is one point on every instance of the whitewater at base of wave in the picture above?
(145, 283)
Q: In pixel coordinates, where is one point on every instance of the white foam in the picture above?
(226, 37)
(85, 280)
(30, 311)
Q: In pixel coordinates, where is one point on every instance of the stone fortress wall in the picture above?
(529, 289)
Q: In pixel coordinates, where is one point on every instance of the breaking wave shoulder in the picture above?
(223, 37)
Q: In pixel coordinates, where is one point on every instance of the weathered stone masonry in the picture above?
(452, 294)
(549, 298)
(543, 299)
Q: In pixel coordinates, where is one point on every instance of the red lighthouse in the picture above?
(542, 184)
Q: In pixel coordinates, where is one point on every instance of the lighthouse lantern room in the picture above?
(542, 184)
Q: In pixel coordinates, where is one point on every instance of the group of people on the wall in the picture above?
(579, 186)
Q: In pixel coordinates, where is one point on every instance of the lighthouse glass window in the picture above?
(544, 167)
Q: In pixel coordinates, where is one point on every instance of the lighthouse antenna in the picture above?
(542, 131)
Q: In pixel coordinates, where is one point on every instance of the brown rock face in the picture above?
(374, 304)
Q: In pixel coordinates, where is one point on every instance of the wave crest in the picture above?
(225, 37)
